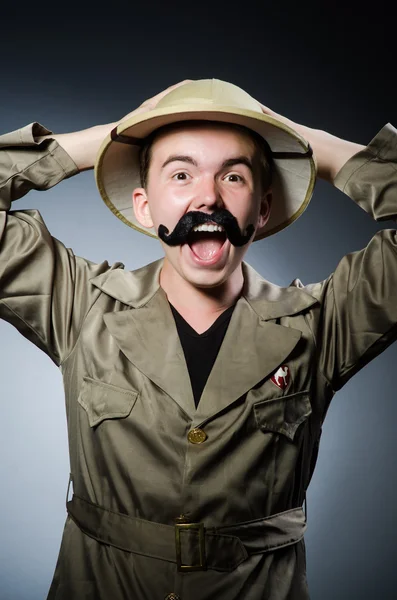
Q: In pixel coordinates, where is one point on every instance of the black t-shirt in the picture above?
(201, 349)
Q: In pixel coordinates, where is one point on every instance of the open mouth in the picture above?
(206, 244)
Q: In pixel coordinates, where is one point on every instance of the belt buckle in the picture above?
(199, 527)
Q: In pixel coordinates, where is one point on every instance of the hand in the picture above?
(83, 146)
(151, 103)
(301, 129)
(330, 152)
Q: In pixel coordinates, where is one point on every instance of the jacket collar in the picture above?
(269, 301)
(245, 358)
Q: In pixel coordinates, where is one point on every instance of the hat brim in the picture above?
(117, 169)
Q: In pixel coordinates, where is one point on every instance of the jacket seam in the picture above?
(52, 153)
(252, 308)
(345, 374)
(79, 333)
(59, 361)
(49, 153)
(369, 160)
(316, 347)
(30, 326)
(315, 339)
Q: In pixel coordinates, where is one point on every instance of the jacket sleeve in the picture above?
(44, 288)
(359, 301)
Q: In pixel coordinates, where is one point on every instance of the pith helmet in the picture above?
(117, 169)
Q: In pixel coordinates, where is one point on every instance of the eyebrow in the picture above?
(229, 162)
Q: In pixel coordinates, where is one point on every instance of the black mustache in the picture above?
(221, 217)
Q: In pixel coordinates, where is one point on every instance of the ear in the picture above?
(141, 207)
(266, 204)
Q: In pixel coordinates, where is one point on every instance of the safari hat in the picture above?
(117, 169)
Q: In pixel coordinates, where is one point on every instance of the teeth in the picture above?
(206, 227)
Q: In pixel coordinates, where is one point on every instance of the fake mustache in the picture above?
(221, 217)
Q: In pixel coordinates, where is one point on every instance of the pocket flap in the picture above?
(105, 401)
(284, 414)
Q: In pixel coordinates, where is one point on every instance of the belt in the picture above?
(192, 546)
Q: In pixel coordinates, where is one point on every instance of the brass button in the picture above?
(172, 596)
(196, 436)
(181, 519)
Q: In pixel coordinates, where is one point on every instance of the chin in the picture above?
(206, 279)
(205, 284)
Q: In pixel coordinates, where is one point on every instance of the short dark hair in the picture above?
(265, 156)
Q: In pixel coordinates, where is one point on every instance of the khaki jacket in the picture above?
(136, 464)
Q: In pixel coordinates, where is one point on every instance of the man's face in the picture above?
(203, 168)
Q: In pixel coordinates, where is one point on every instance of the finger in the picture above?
(267, 110)
(151, 103)
(271, 113)
(170, 88)
(180, 83)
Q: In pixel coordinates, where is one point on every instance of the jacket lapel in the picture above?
(147, 334)
(253, 347)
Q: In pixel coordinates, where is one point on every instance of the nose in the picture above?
(208, 194)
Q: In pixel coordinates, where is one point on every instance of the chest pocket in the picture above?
(104, 401)
(283, 415)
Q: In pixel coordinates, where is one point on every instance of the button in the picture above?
(196, 436)
(182, 519)
(172, 596)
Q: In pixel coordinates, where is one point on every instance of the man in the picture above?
(195, 390)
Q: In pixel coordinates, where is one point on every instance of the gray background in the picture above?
(330, 70)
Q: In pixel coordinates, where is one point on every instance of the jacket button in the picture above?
(196, 436)
(182, 519)
(172, 596)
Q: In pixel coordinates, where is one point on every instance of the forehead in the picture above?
(211, 134)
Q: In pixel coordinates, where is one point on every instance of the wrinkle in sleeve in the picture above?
(26, 164)
(369, 178)
(359, 317)
(359, 302)
(44, 288)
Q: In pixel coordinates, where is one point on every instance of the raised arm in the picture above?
(357, 315)
(82, 146)
(44, 288)
(330, 152)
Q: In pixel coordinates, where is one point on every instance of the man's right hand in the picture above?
(151, 103)
(82, 146)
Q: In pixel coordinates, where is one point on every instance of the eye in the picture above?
(237, 178)
(180, 176)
